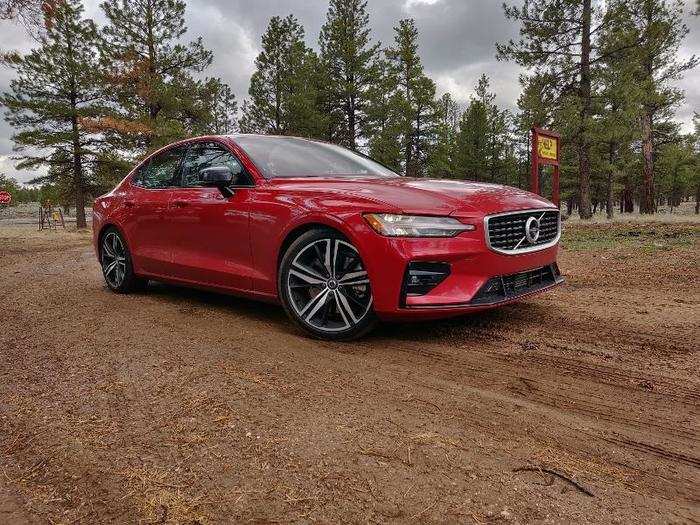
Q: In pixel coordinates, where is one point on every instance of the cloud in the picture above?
(411, 3)
(456, 42)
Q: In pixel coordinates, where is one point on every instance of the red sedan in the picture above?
(338, 239)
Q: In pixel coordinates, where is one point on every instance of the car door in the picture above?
(211, 231)
(148, 227)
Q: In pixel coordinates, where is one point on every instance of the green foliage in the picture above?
(486, 142)
(151, 77)
(650, 33)
(414, 101)
(384, 123)
(284, 88)
(557, 43)
(441, 159)
(86, 104)
(472, 141)
(58, 86)
(350, 63)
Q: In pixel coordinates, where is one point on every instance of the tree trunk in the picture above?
(697, 199)
(152, 106)
(609, 188)
(78, 182)
(78, 186)
(352, 125)
(585, 94)
(648, 203)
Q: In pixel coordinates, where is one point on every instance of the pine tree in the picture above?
(653, 31)
(617, 110)
(472, 142)
(384, 121)
(349, 58)
(695, 180)
(151, 72)
(284, 88)
(416, 97)
(556, 39)
(34, 15)
(58, 86)
(441, 161)
(497, 137)
(219, 108)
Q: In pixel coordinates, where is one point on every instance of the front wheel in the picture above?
(324, 286)
(117, 267)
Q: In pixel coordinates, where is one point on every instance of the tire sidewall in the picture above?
(363, 327)
(130, 282)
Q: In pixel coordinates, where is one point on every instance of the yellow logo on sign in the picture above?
(547, 148)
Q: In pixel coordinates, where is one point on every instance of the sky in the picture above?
(456, 42)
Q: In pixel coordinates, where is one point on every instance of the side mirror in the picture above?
(216, 176)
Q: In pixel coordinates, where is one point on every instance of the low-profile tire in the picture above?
(117, 267)
(324, 287)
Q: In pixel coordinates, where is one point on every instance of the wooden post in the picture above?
(555, 176)
(544, 153)
(534, 164)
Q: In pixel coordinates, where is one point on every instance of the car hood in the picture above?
(423, 196)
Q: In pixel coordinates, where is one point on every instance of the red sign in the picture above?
(546, 150)
(5, 197)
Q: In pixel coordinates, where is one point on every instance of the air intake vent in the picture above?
(522, 231)
(498, 289)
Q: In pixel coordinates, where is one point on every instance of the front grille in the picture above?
(508, 232)
(506, 287)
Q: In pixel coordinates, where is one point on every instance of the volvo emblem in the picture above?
(532, 230)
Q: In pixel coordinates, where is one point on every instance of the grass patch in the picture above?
(648, 238)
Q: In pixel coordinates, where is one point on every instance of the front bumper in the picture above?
(472, 265)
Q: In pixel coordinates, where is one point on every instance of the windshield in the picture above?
(297, 157)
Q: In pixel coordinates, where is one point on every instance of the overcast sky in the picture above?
(457, 45)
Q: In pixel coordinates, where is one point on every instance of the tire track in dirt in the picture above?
(426, 417)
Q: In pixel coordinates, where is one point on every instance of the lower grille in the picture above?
(506, 287)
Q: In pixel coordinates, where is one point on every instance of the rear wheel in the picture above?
(325, 288)
(117, 267)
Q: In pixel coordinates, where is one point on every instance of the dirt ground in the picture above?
(177, 406)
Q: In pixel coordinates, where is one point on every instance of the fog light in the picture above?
(421, 277)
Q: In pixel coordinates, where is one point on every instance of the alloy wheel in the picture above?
(113, 259)
(328, 285)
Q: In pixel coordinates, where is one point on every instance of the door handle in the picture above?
(179, 204)
(129, 204)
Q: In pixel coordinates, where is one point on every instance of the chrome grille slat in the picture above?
(505, 232)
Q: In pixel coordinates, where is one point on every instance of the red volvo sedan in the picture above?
(338, 239)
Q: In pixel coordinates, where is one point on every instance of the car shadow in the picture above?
(188, 299)
(471, 327)
(485, 326)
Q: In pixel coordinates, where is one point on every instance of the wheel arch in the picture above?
(103, 229)
(297, 232)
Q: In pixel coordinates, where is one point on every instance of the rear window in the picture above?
(297, 157)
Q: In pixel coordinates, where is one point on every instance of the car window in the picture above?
(162, 171)
(297, 157)
(202, 155)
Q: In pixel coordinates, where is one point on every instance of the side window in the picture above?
(202, 155)
(162, 171)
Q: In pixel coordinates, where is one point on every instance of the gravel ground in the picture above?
(179, 406)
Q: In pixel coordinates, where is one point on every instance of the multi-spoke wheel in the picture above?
(116, 263)
(324, 286)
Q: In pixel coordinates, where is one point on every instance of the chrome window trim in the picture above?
(529, 249)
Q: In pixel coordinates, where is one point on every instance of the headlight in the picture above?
(416, 225)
